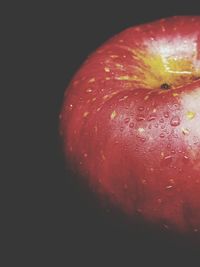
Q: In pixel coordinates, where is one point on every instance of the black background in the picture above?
(56, 220)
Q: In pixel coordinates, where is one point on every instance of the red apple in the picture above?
(130, 122)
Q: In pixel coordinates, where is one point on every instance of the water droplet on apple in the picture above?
(131, 125)
(161, 120)
(163, 126)
(175, 107)
(169, 187)
(127, 120)
(156, 125)
(162, 135)
(166, 114)
(185, 159)
(168, 159)
(121, 129)
(175, 121)
(151, 117)
(140, 108)
(70, 107)
(140, 118)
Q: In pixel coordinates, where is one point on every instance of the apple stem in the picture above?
(165, 86)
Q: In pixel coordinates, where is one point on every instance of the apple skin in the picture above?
(130, 122)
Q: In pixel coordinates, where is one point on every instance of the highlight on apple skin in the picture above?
(130, 122)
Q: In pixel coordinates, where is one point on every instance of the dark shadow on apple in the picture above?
(101, 227)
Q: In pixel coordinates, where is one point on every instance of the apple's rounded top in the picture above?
(162, 27)
(162, 54)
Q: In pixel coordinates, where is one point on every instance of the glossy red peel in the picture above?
(131, 121)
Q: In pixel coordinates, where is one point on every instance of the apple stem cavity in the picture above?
(165, 86)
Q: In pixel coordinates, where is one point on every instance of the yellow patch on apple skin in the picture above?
(159, 62)
(175, 94)
(107, 69)
(91, 80)
(190, 115)
(113, 115)
(123, 98)
(156, 69)
(106, 97)
(172, 62)
(178, 58)
(85, 114)
(128, 78)
(119, 66)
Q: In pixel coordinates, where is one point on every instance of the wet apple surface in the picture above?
(130, 122)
